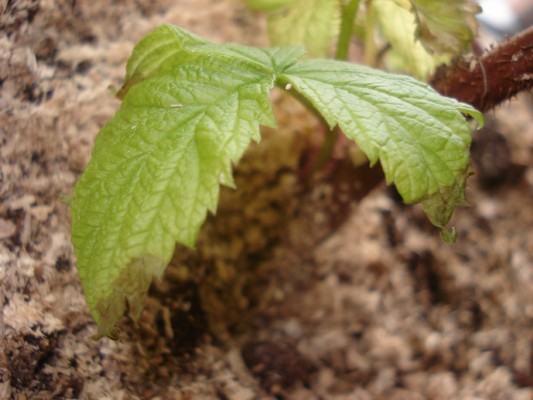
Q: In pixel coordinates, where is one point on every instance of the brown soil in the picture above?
(293, 293)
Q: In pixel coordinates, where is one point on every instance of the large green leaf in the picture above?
(190, 108)
(420, 137)
(157, 165)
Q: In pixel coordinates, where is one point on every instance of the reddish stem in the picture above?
(498, 75)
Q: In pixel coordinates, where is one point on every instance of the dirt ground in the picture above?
(293, 293)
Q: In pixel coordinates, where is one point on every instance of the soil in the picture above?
(295, 291)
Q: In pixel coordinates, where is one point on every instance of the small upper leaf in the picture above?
(398, 25)
(426, 33)
(446, 27)
(310, 23)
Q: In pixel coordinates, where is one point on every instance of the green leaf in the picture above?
(190, 109)
(446, 27)
(398, 25)
(420, 137)
(157, 165)
(310, 23)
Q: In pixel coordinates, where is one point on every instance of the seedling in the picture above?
(191, 108)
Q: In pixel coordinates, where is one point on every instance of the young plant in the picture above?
(191, 108)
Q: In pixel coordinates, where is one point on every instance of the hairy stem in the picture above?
(496, 76)
(348, 16)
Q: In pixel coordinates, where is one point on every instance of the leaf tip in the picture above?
(448, 235)
(478, 116)
(127, 290)
(440, 205)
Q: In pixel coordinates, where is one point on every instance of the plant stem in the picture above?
(370, 43)
(349, 12)
(325, 151)
(496, 76)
